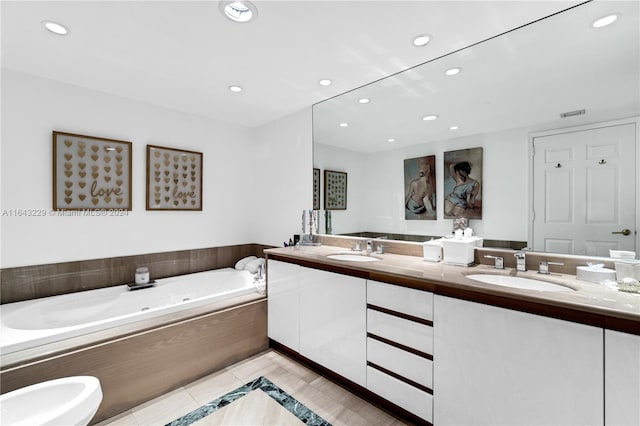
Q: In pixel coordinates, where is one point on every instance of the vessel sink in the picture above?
(353, 257)
(518, 282)
(67, 401)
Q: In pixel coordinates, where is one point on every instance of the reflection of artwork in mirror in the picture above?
(316, 189)
(335, 190)
(463, 183)
(420, 188)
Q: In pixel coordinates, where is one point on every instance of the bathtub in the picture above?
(38, 325)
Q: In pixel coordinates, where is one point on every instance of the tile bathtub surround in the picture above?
(31, 282)
(296, 408)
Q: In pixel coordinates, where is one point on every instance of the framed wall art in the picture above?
(420, 188)
(463, 184)
(335, 190)
(90, 173)
(174, 179)
(316, 189)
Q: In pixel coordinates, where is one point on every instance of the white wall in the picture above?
(326, 157)
(256, 182)
(504, 191)
(33, 107)
(282, 180)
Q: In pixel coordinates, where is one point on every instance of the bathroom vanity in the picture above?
(440, 348)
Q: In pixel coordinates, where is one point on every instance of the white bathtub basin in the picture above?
(51, 320)
(353, 257)
(518, 282)
(67, 401)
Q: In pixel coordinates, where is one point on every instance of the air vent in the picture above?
(573, 113)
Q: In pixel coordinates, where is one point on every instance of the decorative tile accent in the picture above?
(294, 406)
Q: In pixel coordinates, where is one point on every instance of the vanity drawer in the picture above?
(403, 363)
(400, 393)
(408, 301)
(399, 330)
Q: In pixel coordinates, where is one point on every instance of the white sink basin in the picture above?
(67, 401)
(518, 282)
(353, 257)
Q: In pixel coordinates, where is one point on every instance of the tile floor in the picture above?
(327, 399)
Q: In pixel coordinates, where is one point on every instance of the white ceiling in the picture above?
(521, 80)
(184, 54)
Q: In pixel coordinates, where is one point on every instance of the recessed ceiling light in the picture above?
(453, 128)
(235, 88)
(239, 10)
(606, 20)
(429, 117)
(55, 28)
(324, 82)
(364, 100)
(344, 124)
(453, 71)
(421, 40)
(391, 140)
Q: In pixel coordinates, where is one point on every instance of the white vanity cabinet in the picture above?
(622, 379)
(400, 346)
(495, 366)
(333, 322)
(283, 303)
(321, 315)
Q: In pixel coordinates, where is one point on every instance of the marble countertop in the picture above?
(590, 303)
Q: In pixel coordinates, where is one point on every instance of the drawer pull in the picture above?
(400, 315)
(399, 377)
(401, 346)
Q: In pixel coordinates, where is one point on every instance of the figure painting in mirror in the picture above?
(420, 188)
(463, 183)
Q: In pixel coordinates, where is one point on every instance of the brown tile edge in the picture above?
(36, 281)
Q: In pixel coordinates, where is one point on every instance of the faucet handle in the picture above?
(544, 266)
(521, 261)
(499, 261)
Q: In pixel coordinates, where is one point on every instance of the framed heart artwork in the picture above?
(174, 179)
(90, 173)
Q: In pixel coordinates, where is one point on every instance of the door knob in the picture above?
(623, 232)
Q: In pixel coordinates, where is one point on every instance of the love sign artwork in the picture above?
(174, 179)
(90, 173)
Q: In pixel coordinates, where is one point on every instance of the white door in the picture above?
(584, 190)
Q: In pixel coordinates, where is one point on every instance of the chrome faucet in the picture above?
(369, 246)
(544, 266)
(499, 261)
(521, 261)
(356, 246)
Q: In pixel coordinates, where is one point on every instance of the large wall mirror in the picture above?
(557, 76)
